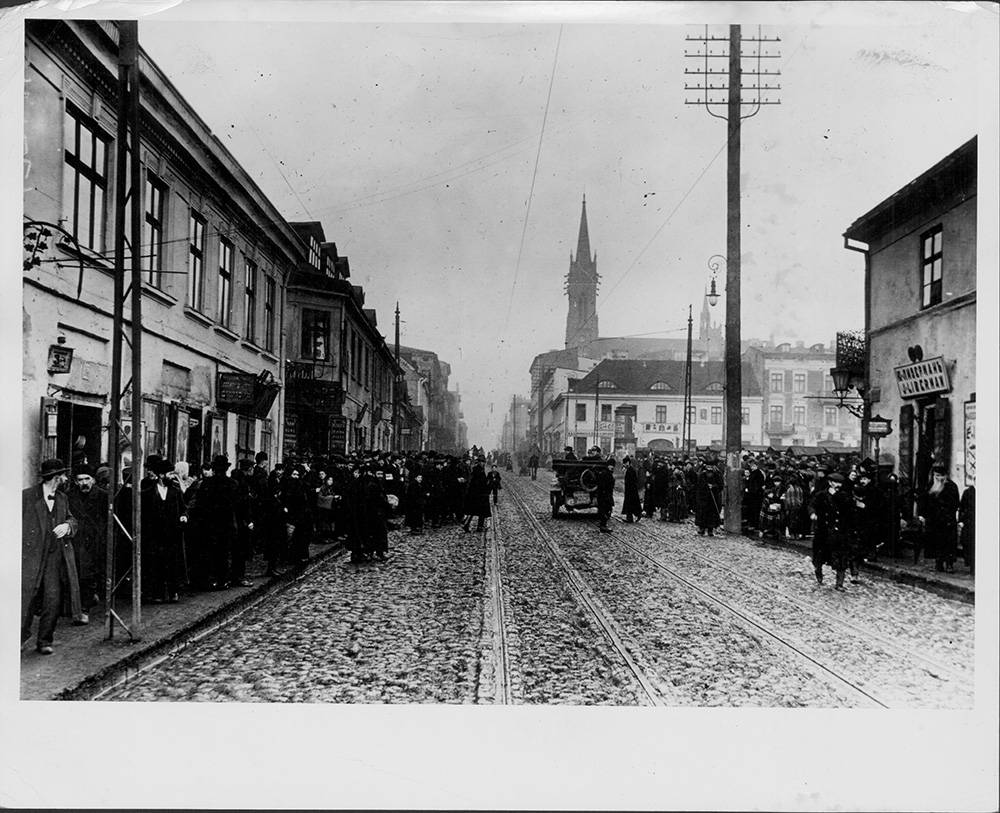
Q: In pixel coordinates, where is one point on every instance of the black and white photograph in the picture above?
(491, 392)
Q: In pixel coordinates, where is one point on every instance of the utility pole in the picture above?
(597, 410)
(513, 431)
(395, 390)
(686, 425)
(734, 102)
(126, 201)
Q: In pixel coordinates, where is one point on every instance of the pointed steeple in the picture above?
(583, 243)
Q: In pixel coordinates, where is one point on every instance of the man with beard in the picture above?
(833, 512)
(214, 512)
(938, 515)
(871, 512)
(294, 499)
(88, 503)
(162, 515)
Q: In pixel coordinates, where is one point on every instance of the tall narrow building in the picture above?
(581, 288)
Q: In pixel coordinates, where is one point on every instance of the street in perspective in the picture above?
(326, 398)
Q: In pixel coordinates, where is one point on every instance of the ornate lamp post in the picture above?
(878, 428)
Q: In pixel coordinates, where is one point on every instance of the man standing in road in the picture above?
(939, 516)
(493, 483)
(833, 512)
(605, 489)
(533, 466)
(47, 527)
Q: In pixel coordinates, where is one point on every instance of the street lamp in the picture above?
(878, 428)
(844, 380)
(733, 412)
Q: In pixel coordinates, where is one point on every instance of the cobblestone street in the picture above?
(542, 610)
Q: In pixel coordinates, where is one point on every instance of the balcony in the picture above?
(779, 429)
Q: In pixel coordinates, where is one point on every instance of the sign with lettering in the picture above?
(970, 443)
(60, 358)
(235, 391)
(338, 433)
(661, 427)
(923, 378)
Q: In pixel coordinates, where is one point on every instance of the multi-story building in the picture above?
(920, 319)
(516, 435)
(442, 406)
(800, 408)
(624, 405)
(216, 255)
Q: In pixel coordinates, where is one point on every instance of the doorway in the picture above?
(78, 434)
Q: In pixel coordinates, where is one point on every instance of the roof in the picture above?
(953, 176)
(638, 376)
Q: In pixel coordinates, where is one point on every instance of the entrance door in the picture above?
(78, 434)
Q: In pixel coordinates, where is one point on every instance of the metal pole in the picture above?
(395, 390)
(114, 413)
(686, 425)
(597, 410)
(130, 41)
(734, 384)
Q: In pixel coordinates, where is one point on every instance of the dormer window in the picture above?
(715, 386)
(314, 253)
(604, 384)
(661, 385)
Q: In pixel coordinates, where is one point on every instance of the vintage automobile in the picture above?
(574, 484)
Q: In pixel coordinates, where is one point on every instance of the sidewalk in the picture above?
(85, 663)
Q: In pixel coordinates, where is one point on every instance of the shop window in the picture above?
(244, 437)
(932, 260)
(85, 179)
(154, 417)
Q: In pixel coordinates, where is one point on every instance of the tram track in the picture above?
(495, 678)
(655, 691)
(932, 666)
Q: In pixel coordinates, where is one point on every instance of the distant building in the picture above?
(799, 406)
(443, 407)
(920, 318)
(623, 405)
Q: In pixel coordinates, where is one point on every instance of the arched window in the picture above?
(715, 386)
(661, 385)
(607, 385)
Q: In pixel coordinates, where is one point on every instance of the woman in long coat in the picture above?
(631, 505)
(477, 497)
(707, 498)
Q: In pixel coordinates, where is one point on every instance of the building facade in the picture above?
(625, 405)
(920, 319)
(799, 407)
(216, 257)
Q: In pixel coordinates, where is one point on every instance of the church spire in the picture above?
(583, 242)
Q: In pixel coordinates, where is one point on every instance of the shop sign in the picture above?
(246, 393)
(661, 427)
(338, 432)
(60, 359)
(970, 443)
(923, 378)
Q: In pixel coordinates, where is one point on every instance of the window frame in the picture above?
(311, 318)
(799, 382)
(75, 167)
(270, 295)
(776, 409)
(716, 415)
(830, 412)
(250, 277)
(776, 381)
(798, 411)
(661, 413)
(197, 225)
(931, 289)
(153, 227)
(581, 412)
(224, 307)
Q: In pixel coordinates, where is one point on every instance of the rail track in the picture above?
(495, 678)
(656, 692)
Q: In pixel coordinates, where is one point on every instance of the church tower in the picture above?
(706, 330)
(581, 287)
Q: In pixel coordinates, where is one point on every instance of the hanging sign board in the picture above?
(970, 443)
(235, 391)
(923, 378)
(60, 359)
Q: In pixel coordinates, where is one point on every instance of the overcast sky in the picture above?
(415, 144)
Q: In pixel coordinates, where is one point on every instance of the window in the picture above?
(703, 415)
(661, 413)
(225, 281)
(249, 299)
(581, 412)
(85, 180)
(717, 415)
(152, 231)
(314, 253)
(315, 335)
(607, 385)
(827, 382)
(830, 416)
(605, 412)
(244, 437)
(777, 415)
(715, 386)
(799, 413)
(777, 381)
(799, 381)
(154, 415)
(266, 433)
(745, 416)
(692, 414)
(931, 266)
(196, 259)
(660, 385)
(270, 293)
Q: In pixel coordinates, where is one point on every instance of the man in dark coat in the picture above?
(294, 499)
(967, 527)
(533, 466)
(213, 511)
(372, 515)
(939, 516)
(605, 491)
(753, 494)
(631, 505)
(707, 499)
(163, 509)
(833, 511)
(493, 482)
(477, 498)
(416, 501)
(47, 529)
(88, 503)
(243, 542)
(871, 513)
(268, 528)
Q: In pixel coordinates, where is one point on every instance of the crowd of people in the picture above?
(201, 528)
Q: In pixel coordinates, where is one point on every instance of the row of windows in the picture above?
(777, 381)
(315, 344)
(776, 415)
(85, 183)
(695, 415)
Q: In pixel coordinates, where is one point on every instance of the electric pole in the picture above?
(395, 390)
(686, 423)
(734, 102)
(127, 202)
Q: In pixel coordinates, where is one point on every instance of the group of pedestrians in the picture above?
(673, 489)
